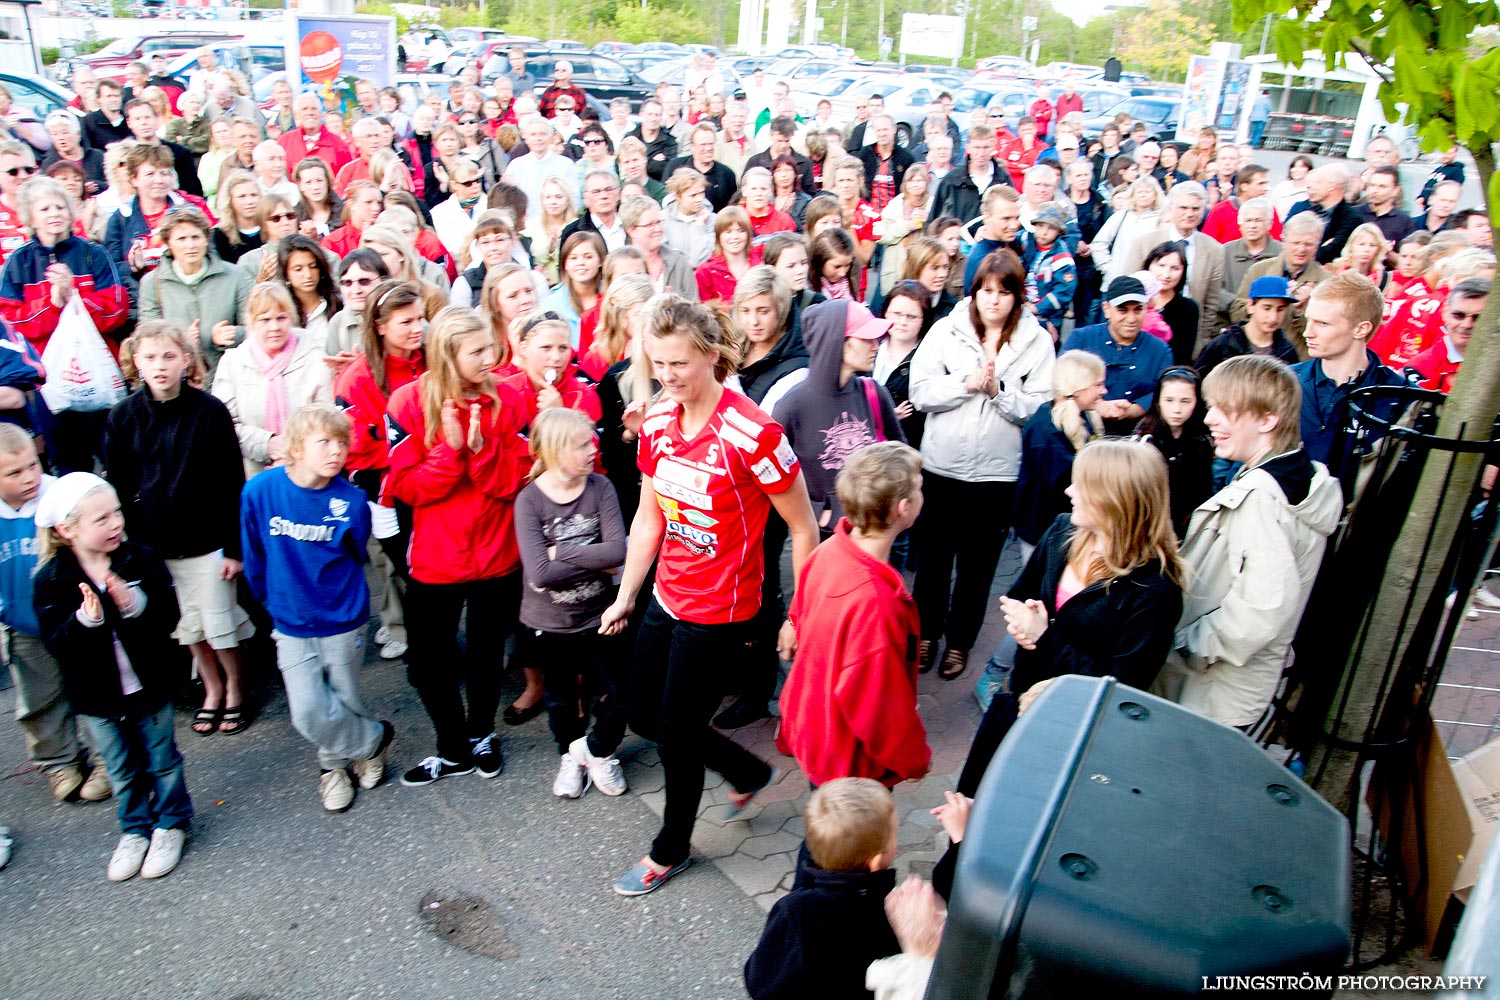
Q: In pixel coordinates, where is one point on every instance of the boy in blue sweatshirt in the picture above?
(41, 707)
(304, 529)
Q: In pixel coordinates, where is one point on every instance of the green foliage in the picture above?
(49, 55)
(1420, 48)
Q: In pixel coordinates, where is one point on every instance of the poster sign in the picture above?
(327, 53)
(1200, 96)
(938, 35)
(1236, 98)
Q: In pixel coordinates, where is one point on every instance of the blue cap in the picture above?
(1271, 286)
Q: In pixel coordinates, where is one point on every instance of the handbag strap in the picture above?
(873, 397)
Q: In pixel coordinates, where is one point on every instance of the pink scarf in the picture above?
(278, 406)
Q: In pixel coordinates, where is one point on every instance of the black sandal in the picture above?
(514, 716)
(206, 717)
(235, 718)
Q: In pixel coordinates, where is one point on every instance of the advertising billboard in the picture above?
(326, 53)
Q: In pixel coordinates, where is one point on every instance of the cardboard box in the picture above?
(1460, 812)
(1478, 777)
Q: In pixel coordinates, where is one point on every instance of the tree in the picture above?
(1162, 37)
(1421, 50)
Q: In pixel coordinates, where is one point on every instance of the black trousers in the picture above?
(963, 526)
(676, 685)
(442, 672)
(603, 663)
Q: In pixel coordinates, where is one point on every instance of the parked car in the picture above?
(1014, 96)
(615, 49)
(600, 77)
(745, 65)
(110, 61)
(566, 43)
(1097, 95)
(641, 58)
(255, 61)
(800, 69)
(708, 50)
(461, 36)
(461, 56)
(1159, 113)
(35, 95)
(1071, 70)
(1007, 65)
(674, 71)
(661, 47)
(414, 88)
(907, 103)
(948, 76)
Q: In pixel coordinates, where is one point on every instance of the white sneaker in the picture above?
(1484, 599)
(382, 635)
(336, 790)
(7, 843)
(125, 863)
(605, 772)
(165, 852)
(393, 650)
(570, 782)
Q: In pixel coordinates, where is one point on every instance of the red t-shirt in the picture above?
(714, 493)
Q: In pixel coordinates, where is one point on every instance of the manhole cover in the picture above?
(467, 922)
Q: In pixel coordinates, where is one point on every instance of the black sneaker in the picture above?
(742, 713)
(434, 769)
(486, 753)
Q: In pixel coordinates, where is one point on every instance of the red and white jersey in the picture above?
(714, 493)
(12, 232)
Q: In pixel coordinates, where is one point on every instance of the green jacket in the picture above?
(217, 297)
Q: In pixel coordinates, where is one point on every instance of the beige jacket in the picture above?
(1253, 557)
(242, 388)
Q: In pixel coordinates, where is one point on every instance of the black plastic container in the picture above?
(1121, 846)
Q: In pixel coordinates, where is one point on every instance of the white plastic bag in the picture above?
(81, 374)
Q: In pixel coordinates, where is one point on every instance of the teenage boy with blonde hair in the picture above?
(821, 937)
(304, 529)
(849, 706)
(1342, 315)
(41, 707)
(1253, 548)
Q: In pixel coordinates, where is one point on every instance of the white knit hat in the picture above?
(59, 502)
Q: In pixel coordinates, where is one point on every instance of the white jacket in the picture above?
(242, 388)
(970, 435)
(454, 226)
(1253, 557)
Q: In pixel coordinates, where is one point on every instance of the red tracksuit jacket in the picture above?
(463, 518)
(364, 404)
(849, 706)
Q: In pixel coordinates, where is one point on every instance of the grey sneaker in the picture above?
(7, 844)
(642, 879)
(125, 863)
(605, 772)
(164, 853)
(336, 790)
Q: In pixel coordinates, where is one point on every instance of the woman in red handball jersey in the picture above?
(712, 465)
(457, 457)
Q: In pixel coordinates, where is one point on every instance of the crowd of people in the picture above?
(579, 383)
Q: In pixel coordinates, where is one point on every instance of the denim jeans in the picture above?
(676, 686)
(145, 769)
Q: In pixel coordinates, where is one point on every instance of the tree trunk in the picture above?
(1436, 518)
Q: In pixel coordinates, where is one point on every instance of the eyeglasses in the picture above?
(357, 282)
(547, 317)
(21, 171)
(282, 217)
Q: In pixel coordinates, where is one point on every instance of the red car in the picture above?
(110, 61)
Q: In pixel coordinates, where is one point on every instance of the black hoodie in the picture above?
(821, 937)
(787, 355)
(827, 422)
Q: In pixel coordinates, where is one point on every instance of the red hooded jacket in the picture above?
(364, 404)
(849, 707)
(463, 517)
(576, 394)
